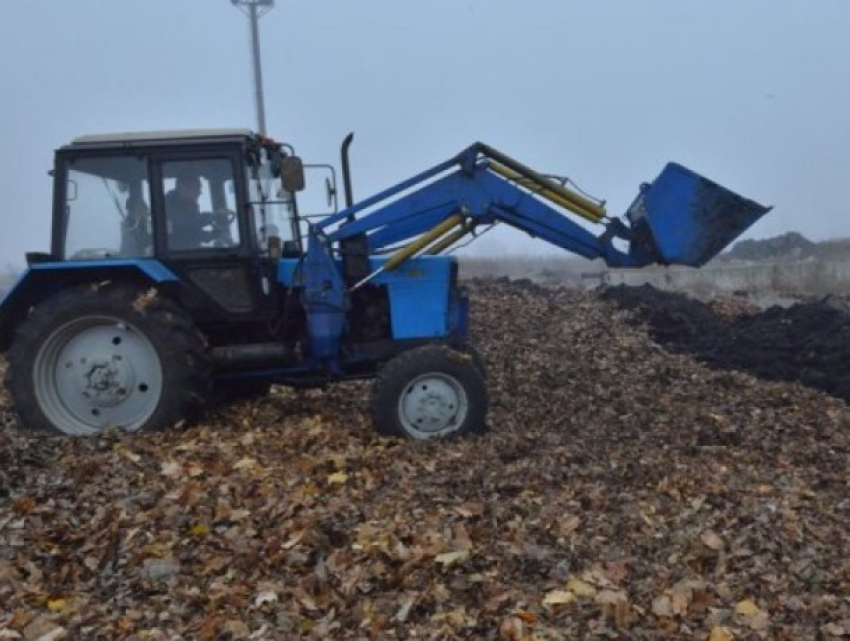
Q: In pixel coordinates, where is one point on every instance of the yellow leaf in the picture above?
(448, 559)
(56, 605)
(244, 463)
(719, 633)
(581, 588)
(337, 478)
(747, 608)
(559, 597)
(199, 530)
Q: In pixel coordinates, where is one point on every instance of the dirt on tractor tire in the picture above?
(807, 343)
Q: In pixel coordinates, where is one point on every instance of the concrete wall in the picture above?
(806, 277)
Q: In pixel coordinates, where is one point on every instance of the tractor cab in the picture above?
(173, 196)
(216, 208)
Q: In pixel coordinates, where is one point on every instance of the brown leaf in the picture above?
(712, 540)
(662, 606)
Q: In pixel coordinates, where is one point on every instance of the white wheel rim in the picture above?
(432, 405)
(97, 372)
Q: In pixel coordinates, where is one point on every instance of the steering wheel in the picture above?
(221, 222)
(223, 217)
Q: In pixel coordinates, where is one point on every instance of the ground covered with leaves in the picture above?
(623, 492)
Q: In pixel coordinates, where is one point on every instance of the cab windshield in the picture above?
(273, 209)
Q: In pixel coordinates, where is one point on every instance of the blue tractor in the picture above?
(181, 271)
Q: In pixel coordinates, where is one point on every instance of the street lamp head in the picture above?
(256, 3)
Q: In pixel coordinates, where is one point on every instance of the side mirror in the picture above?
(292, 174)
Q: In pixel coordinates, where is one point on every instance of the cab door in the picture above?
(204, 235)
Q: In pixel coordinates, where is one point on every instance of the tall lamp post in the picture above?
(256, 9)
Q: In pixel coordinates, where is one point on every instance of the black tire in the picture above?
(474, 354)
(91, 357)
(428, 392)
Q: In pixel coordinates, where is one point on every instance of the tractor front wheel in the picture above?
(429, 392)
(91, 358)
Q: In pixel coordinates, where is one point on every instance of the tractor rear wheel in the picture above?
(91, 358)
(429, 392)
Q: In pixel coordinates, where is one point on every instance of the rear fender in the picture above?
(43, 280)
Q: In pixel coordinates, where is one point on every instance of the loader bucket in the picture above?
(690, 219)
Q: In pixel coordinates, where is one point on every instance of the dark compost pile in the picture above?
(807, 343)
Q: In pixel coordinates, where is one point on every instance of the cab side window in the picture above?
(200, 204)
(107, 213)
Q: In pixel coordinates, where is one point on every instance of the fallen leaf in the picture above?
(338, 478)
(24, 504)
(759, 621)
(719, 633)
(245, 463)
(469, 510)
(403, 611)
(559, 597)
(581, 588)
(835, 629)
(569, 524)
(447, 559)
(237, 629)
(712, 540)
(747, 608)
(266, 596)
(526, 616)
(610, 597)
(662, 606)
(172, 469)
(56, 605)
(128, 454)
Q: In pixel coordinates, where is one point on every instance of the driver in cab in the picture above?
(188, 227)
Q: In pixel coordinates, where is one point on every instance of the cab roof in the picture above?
(139, 138)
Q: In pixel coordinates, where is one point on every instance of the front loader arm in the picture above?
(479, 187)
(680, 218)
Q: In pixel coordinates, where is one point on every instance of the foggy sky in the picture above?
(752, 93)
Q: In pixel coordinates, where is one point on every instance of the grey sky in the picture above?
(754, 94)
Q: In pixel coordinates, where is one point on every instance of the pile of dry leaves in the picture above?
(623, 492)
